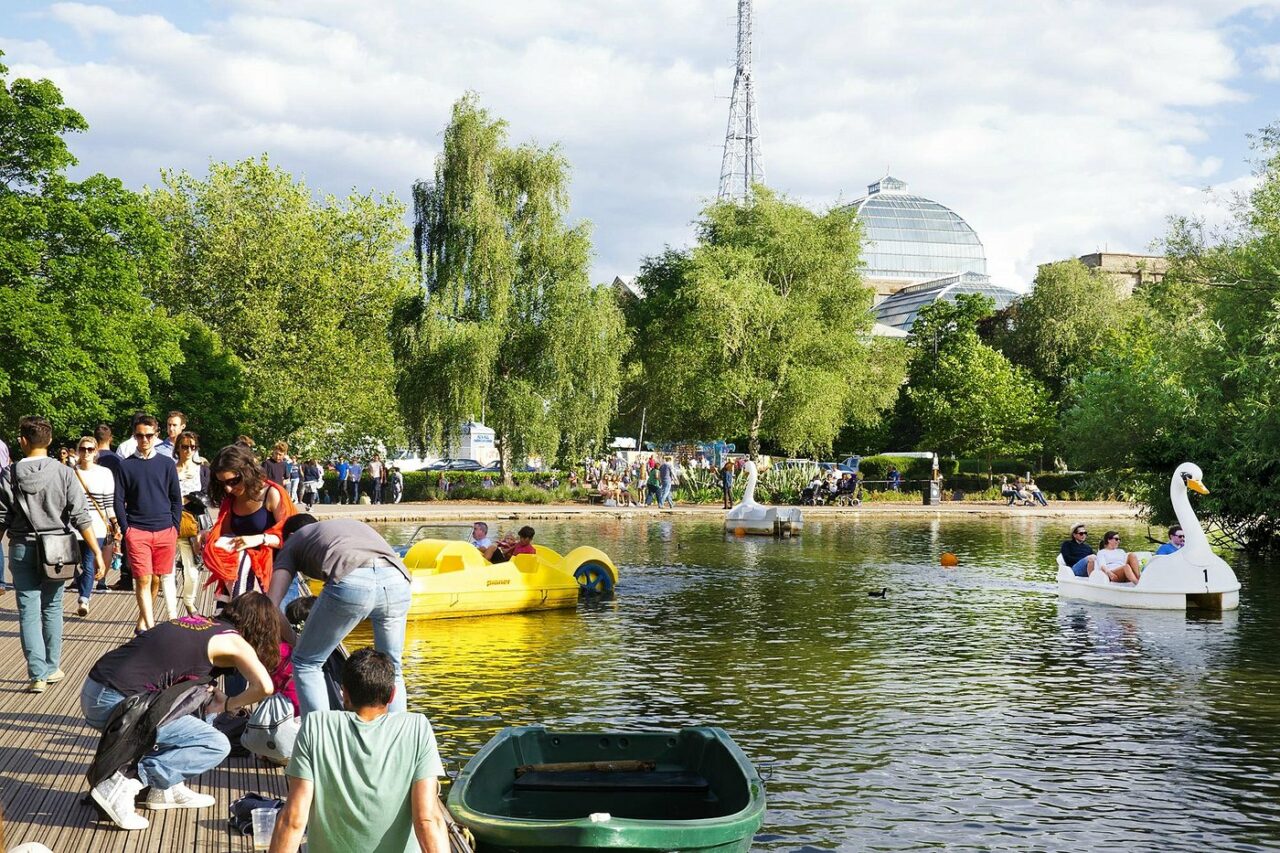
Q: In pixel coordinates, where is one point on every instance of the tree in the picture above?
(78, 342)
(208, 386)
(967, 397)
(299, 291)
(507, 326)
(763, 329)
(1057, 330)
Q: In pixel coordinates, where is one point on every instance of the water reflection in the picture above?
(968, 709)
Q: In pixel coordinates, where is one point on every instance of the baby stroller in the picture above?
(849, 495)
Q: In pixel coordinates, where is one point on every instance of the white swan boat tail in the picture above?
(1192, 577)
(750, 517)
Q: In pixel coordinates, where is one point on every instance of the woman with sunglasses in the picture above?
(1076, 551)
(239, 548)
(1119, 566)
(99, 486)
(193, 480)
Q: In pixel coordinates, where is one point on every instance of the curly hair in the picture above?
(240, 461)
(260, 623)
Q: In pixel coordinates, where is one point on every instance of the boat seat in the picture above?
(586, 781)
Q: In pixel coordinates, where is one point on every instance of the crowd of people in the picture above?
(172, 700)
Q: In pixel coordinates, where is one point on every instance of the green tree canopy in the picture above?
(763, 329)
(300, 291)
(507, 326)
(969, 400)
(78, 342)
(1057, 331)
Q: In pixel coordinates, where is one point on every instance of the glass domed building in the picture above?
(918, 251)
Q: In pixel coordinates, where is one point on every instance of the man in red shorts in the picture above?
(149, 508)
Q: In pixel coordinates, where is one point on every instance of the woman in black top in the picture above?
(245, 637)
(1076, 551)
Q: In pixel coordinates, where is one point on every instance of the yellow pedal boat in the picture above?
(452, 579)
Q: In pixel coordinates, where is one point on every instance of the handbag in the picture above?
(272, 729)
(113, 529)
(57, 552)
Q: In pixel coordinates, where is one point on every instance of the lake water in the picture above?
(969, 709)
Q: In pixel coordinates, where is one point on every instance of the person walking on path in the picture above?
(109, 459)
(193, 480)
(39, 495)
(667, 481)
(393, 805)
(353, 480)
(377, 478)
(149, 509)
(397, 484)
(726, 483)
(340, 482)
(4, 464)
(245, 638)
(364, 578)
(99, 486)
(175, 423)
(275, 466)
(240, 547)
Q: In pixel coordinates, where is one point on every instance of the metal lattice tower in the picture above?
(743, 164)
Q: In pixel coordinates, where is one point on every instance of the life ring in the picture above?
(594, 577)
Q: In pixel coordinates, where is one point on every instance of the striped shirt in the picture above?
(101, 495)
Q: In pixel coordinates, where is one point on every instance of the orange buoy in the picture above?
(949, 560)
(739, 531)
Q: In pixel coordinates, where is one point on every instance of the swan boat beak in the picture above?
(1197, 486)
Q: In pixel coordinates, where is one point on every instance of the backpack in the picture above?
(272, 729)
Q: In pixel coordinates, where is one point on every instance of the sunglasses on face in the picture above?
(1081, 533)
(144, 436)
(231, 481)
(187, 447)
(88, 448)
(1179, 536)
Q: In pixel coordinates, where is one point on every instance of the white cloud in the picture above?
(1054, 128)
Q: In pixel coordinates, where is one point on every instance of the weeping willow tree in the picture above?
(506, 325)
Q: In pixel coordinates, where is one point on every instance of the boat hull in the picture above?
(1179, 587)
(451, 580)
(533, 790)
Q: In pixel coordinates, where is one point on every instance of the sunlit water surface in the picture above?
(970, 708)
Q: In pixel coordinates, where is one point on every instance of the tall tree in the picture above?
(967, 397)
(78, 342)
(299, 290)
(1058, 330)
(763, 329)
(507, 325)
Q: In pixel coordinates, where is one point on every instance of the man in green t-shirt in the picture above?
(362, 779)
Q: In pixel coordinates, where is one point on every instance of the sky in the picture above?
(1056, 128)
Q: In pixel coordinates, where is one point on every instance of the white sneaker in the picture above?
(115, 795)
(83, 609)
(177, 797)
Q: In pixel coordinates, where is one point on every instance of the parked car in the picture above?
(838, 467)
(448, 464)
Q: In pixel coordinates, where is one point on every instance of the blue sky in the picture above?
(1055, 128)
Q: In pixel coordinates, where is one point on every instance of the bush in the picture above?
(877, 467)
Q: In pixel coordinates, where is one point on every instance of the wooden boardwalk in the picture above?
(46, 747)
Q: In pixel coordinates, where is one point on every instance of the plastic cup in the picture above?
(264, 823)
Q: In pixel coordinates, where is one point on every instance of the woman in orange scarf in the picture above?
(241, 544)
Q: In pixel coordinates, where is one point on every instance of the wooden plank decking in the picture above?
(45, 748)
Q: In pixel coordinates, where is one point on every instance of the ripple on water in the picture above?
(969, 709)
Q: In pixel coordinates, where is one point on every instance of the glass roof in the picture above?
(900, 309)
(913, 238)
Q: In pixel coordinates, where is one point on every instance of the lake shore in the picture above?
(449, 511)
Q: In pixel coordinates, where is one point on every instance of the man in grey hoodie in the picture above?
(50, 492)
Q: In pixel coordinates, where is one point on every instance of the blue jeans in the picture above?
(184, 748)
(39, 610)
(3, 585)
(1081, 568)
(664, 499)
(85, 579)
(377, 593)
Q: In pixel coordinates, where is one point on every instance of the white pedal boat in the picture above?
(1192, 578)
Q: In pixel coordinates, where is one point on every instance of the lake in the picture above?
(969, 708)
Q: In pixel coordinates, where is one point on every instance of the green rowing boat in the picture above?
(529, 789)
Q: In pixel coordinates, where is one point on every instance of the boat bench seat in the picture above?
(654, 781)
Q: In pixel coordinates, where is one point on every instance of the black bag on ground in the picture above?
(241, 818)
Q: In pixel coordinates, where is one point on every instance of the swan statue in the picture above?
(1191, 577)
(747, 516)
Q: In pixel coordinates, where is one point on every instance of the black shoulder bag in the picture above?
(57, 552)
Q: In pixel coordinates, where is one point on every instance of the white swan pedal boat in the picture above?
(753, 518)
(1192, 577)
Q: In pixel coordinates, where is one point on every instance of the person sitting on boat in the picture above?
(480, 535)
(1076, 551)
(1119, 565)
(509, 546)
(1176, 540)
(392, 803)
